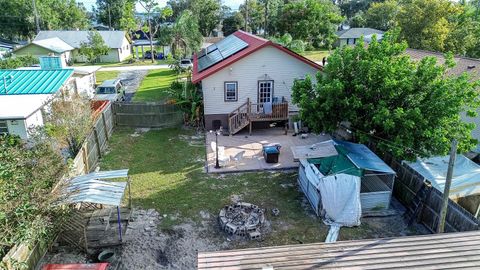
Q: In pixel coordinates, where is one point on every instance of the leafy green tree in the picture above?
(382, 15)
(94, 47)
(14, 62)
(410, 108)
(154, 15)
(286, 40)
(128, 21)
(27, 176)
(17, 20)
(427, 24)
(358, 20)
(112, 12)
(256, 15)
(350, 8)
(207, 13)
(185, 36)
(313, 21)
(235, 21)
(178, 6)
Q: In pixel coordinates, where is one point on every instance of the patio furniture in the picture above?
(238, 157)
(222, 158)
(271, 152)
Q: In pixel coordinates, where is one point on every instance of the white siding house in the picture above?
(266, 64)
(117, 41)
(262, 72)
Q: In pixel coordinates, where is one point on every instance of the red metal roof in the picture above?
(77, 266)
(255, 43)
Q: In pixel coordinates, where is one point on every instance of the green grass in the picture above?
(166, 169)
(316, 55)
(154, 85)
(106, 75)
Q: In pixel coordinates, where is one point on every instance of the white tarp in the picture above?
(466, 174)
(341, 202)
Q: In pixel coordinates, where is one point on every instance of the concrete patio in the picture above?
(251, 146)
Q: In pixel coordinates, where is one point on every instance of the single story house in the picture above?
(352, 35)
(463, 64)
(117, 41)
(25, 93)
(246, 75)
(48, 47)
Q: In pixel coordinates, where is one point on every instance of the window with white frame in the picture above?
(3, 127)
(231, 91)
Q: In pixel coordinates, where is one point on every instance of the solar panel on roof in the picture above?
(219, 51)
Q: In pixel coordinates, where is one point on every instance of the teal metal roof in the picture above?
(28, 82)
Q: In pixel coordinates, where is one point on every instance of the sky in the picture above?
(234, 4)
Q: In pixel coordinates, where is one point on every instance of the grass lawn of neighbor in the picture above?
(167, 173)
(316, 55)
(106, 75)
(153, 86)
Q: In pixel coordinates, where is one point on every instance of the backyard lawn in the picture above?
(153, 86)
(106, 75)
(316, 55)
(167, 173)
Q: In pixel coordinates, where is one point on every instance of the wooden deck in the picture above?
(434, 251)
(249, 112)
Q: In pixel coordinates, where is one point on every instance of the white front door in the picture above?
(265, 91)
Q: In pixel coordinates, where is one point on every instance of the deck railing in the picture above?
(279, 112)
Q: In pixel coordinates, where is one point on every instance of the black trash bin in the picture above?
(271, 153)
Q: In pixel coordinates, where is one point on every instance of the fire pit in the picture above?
(242, 219)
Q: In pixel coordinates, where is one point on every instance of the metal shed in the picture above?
(377, 178)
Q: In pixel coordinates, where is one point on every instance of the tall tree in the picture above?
(128, 21)
(17, 19)
(94, 47)
(111, 12)
(410, 108)
(235, 21)
(185, 35)
(154, 16)
(426, 24)
(256, 16)
(382, 16)
(208, 14)
(313, 21)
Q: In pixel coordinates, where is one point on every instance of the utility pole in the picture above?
(446, 191)
(35, 12)
(246, 15)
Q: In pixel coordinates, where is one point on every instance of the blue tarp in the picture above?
(362, 157)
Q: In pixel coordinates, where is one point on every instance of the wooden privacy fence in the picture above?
(147, 115)
(95, 143)
(409, 182)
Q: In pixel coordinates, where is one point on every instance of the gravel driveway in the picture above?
(131, 81)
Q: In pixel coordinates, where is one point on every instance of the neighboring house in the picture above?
(247, 75)
(352, 35)
(117, 41)
(24, 95)
(463, 64)
(48, 47)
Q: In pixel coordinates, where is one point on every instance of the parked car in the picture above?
(111, 90)
(148, 55)
(186, 64)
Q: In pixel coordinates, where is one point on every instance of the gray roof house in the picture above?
(117, 41)
(350, 36)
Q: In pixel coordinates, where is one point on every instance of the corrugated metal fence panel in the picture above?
(375, 200)
(310, 190)
(147, 115)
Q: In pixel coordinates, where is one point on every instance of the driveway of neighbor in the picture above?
(131, 80)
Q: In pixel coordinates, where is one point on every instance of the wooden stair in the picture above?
(239, 118)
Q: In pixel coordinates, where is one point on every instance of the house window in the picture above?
(3, 127)
(231, 91)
